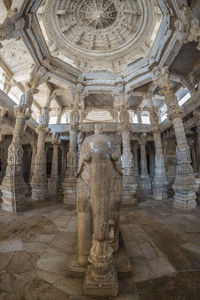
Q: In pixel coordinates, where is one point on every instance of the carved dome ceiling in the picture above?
(100, 34)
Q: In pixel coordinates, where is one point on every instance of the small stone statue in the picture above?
(44, 118)
(75, 116)
(124, 115)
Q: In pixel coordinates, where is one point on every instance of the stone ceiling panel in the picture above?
(100, 34)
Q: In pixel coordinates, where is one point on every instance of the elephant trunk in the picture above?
(101, 251)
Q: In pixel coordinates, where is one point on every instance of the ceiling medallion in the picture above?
(98, 14)
(98, 25)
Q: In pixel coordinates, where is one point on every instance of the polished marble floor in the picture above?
(163, 245)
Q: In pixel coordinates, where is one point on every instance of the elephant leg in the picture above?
(84, 236)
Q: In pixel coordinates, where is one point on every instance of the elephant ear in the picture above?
(84, 156)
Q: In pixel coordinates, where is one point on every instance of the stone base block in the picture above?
(39, 194)
(129, 191)
(69, 191)
(145, 184)
(106, 288)
(13, 195)
(74, 269)
(159, 193)
(186, 202)
(13, 205)
(53, 186)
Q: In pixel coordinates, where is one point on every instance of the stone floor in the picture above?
(163, 245)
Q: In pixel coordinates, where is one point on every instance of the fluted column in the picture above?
(185, 184)
(54, 180)
(39, 178)
(13, 187)
(69, 183)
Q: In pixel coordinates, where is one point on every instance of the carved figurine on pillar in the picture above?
(185, 184)
(160, 179)
(129, 180)
(69, 183)
(39, 178)
(13, 187)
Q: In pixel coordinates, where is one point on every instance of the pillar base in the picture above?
(69, 191)
(129, 191)
(159, 195)
(186, 201)
(145, 184)
(53, 184)
(159, 189)
(39, 194)
(185, 188)
(13, 193)
(106, 288)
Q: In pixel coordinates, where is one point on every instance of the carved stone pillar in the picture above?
(54, 180)
(129, 180)
(39, 178)
(69, 183)
(13, 187)
(135, 159)
(4, 156)
(185, 184)
(63, 162)
(145, 181)
(33, 157)
(160, 178)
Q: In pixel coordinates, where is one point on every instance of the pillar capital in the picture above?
(11, 26)
(142, 139)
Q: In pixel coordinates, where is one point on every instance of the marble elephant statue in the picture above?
(99, 186)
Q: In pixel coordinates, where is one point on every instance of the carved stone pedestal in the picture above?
(13, 187)
(69, 189)
(185, 192)
(107, 287)
(129, 191)
(159, 189)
